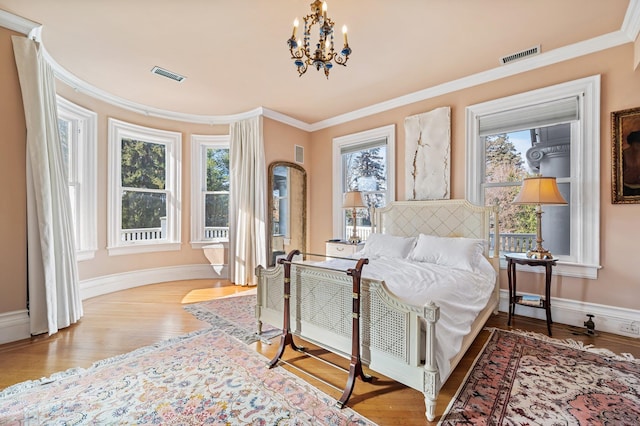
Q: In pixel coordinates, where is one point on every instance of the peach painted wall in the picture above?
(280, 140)
(618, 282)
(103, 264)
(13, 209)
(279, 144)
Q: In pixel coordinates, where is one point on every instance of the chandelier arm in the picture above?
(342, 60)
(296, 53)
(302, 69)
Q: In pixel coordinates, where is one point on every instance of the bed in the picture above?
(415, 339)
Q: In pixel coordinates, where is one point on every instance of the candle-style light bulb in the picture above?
(344, 34)
(324, 9)
(295, 28)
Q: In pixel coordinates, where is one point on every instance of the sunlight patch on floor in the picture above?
(210, 293)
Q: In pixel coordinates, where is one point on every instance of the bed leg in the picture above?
(431, 379)
(431, 385)
(430, 405)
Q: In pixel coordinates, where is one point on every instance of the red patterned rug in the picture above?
(525, 378)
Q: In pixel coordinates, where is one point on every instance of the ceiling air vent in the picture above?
(520, 55)
(166, 73)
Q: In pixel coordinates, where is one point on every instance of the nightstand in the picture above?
(515, 299)
(342, 248)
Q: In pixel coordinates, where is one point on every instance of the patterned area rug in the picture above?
(525, 378)
(206, 377)
(236, 315)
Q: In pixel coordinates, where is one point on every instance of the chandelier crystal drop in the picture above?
(302, 52)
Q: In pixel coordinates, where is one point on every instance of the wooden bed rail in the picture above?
(286, 339)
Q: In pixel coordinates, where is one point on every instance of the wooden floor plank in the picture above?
(120, 322)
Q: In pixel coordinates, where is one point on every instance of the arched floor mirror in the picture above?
(287, 215)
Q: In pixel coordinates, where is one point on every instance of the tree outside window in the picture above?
(506, 165)
(217, 192)
(365, 171)
(143, 178)
(144, 211)
(363, 161)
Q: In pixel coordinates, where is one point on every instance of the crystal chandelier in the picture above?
(321, 56)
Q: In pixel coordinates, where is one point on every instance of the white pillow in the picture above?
(460, 253)
(379, 245)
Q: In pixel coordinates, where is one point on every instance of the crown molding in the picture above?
(283, 118)
(16, 23)
(628, 33)
(555, 56)
(81, 86)
(631, 22)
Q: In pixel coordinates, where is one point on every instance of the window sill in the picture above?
(563, 268)
(143, 248)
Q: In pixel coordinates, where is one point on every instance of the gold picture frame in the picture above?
(625, 170)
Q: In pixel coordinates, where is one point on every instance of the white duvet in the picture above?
(460, 294)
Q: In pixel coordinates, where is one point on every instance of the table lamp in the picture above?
(539, 190)
(353, 200)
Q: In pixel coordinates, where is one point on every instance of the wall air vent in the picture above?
(299, 154)
(166, 73)
(520, 55)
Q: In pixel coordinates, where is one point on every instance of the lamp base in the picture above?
(539, 253)
(354, 239)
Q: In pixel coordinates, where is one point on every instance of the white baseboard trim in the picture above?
(109, 283)
(14, 326)
(574, 312)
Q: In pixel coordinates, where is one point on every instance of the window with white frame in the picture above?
(363, 162)
(78, 137)
(209, 189)
(553, 132)
(144, 188)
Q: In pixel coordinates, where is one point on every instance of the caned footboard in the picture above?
(391, 338)
(392, 342)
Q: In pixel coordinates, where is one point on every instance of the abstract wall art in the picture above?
(428, 155)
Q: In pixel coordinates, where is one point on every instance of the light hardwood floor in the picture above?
(120, 322)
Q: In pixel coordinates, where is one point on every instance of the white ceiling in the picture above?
(235, 57)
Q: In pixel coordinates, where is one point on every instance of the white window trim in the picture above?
(119, 130)
(85, 142)
(199, 143)
(385, 132)
(585, 195)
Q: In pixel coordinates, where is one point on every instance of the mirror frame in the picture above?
(298, 167)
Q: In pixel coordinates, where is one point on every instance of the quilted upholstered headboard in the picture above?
(444, 218)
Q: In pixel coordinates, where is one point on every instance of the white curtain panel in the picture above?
(247, 224)
(54, 294)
